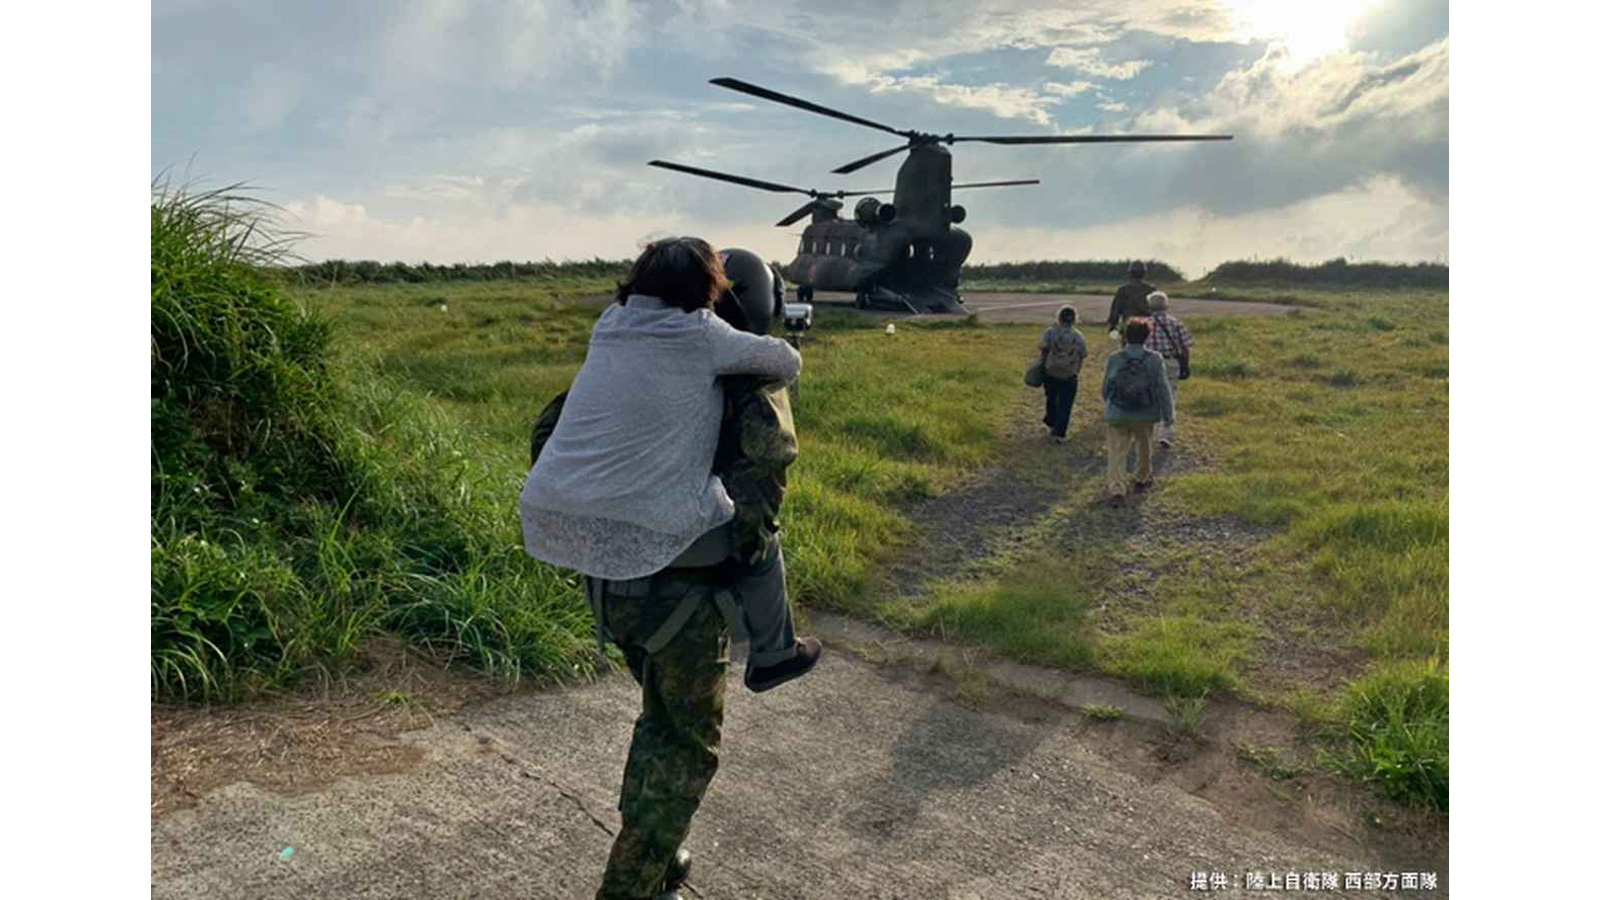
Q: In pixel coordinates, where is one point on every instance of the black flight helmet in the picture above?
(755, 301)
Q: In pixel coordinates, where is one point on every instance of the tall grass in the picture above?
(297, 505)
(1399, 721)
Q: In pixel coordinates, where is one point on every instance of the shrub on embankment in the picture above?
(1338, 272)
(1092, 271)
(367, 271)
(294, 510)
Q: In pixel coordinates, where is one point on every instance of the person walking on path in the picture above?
(623, 491)
(1063, 350)
(1130, 300)
(1171, 339)
(1137, 397)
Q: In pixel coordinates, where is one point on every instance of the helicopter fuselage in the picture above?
(910, 251)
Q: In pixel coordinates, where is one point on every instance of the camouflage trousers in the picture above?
(676, 738)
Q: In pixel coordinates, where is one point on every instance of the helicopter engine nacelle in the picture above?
(871, 212)
(958, 214)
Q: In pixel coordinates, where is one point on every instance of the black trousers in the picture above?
(1059, 395)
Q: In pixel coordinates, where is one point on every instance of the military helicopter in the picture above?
(904, 255)
(831, 248)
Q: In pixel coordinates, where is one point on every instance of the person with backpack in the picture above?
(1137, 397)
(1171, 339)
(623, 489)
(1062, 350)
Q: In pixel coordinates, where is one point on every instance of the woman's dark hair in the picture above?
(1067, 315)
(1137, 331)
(684, 272)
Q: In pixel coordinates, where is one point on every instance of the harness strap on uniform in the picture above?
(727, 606)
(669, 629)
(674, 623)
(730, 611)
(594, 589)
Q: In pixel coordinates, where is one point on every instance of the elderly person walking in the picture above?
(1171, 339)
(1063, 350)
(1137, 397)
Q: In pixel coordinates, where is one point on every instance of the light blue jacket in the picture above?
(1161, 410)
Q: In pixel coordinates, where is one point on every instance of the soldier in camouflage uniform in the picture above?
(673, 627)
(1130, 301)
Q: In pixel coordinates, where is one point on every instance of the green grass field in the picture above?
(332, 461)
(1322, 435)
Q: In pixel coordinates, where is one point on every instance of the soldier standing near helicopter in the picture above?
(1131, 300)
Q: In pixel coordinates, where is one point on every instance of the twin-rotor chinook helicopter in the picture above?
(905, 255)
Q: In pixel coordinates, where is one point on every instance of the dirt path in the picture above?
(861, 781)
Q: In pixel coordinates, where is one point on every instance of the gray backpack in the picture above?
(1064, 356)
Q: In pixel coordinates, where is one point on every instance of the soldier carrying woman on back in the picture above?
(625, 491)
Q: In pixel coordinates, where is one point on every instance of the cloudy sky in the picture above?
(479, 130)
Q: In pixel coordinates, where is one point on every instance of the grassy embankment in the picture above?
(299, 502)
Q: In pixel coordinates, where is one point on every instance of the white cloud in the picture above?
(1382, 219)
(1067, 90)
(524, 231)
(1336, 91)
(1336, 122)
(1002, 100)
(1108, 105)
(506, 43)
(1088, 61)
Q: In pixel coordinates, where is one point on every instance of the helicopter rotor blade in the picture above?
(860, 193)
(973, 184)
(733, 179)
(1087, 138)
(745, 87)
(865, 161)
(797, 215)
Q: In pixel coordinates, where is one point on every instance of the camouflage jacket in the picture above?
(1131, 300)
(754, 452)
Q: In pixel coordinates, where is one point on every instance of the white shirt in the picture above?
(624, 484)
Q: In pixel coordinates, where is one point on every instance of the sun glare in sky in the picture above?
(1306, 30)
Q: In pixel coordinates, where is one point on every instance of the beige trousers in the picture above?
(1169, 433)
(1120, 437)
